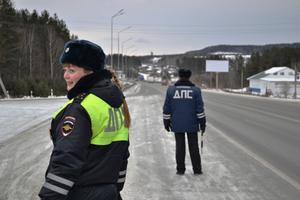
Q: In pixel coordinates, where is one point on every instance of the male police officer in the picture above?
(183, 112)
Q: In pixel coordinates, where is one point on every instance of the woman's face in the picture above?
(73, 73)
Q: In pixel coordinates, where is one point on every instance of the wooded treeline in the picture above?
(240, 68)
(30, 46)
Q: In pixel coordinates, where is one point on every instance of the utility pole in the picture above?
(296, 74)
(217, 80)
(122, 58)
(118, 68)
(242, 77)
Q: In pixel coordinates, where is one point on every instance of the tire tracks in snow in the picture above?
(23, 157)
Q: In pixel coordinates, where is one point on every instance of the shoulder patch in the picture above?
(68, 125)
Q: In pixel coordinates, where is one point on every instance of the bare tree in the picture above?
(30, 45)
(55, 46)
(51, 42)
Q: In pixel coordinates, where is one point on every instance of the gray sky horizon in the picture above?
(175, 26)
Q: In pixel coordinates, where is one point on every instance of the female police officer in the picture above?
(90, 132)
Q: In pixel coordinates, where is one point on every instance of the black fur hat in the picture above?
(184, 73)
(84, 54)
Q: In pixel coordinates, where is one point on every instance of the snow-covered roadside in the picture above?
(18, 115)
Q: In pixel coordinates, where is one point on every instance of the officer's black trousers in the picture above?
(101, 192)
(193, 148)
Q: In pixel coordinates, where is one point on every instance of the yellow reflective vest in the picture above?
(107, 122)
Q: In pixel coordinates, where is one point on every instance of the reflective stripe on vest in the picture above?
(107, 122)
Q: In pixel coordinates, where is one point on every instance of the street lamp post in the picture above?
(132, 69)
(126, 59)
(122, 62)
(120, 12)
(119, 44)
(296, 77)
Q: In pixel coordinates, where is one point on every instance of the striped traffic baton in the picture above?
(202, 133)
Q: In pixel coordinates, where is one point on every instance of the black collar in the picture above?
(89, 81)
(184, 83)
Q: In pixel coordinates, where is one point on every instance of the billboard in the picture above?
(217, 65)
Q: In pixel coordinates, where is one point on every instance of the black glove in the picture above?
(202, 127)
(202, 122)
(167, 124)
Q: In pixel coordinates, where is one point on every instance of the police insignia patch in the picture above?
(68, 125)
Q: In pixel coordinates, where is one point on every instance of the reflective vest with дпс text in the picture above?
(107, 122)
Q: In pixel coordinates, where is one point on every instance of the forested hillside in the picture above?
(241, 49)
(30, 45)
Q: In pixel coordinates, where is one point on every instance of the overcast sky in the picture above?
(176, 26)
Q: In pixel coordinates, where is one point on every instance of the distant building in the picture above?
(231, 55)
(276, 81)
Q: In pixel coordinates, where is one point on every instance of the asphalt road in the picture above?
(268, 128)
(245, 154)
(250, 152)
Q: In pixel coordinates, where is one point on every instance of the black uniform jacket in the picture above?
(75, 162)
